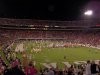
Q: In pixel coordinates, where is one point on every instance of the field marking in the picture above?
(79, 62)
(67, 64)
(50, 65)
(54, 65)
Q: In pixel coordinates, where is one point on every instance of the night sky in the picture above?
(48, 9)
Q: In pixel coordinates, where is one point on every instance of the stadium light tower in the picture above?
(88, 13)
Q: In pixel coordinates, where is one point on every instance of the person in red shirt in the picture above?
(30, 69)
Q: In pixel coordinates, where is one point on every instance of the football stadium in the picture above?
(58, 46)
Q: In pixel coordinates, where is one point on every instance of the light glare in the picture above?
(88, 12)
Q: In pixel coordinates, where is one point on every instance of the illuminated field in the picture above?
(48, 55)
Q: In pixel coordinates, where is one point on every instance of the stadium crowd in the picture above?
(84, 37)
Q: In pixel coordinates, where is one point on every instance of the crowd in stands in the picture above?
(84, 37)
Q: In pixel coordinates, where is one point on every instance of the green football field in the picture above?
(72, 54)
(59, 55)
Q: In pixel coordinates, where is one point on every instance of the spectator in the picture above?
(88, 68)
(93, 68)
(30, 70)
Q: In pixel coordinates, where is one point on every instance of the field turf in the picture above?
(59, 55)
